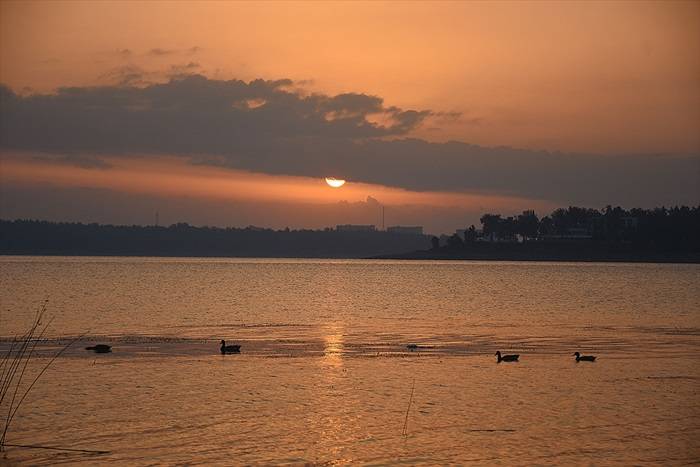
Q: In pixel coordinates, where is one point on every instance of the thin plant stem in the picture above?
(26, 392)
(410, 400)
(14, 365)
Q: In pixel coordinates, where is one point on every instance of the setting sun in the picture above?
(334, 182)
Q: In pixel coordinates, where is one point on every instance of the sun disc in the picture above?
(334, 182)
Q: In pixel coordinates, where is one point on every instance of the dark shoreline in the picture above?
(39, 238)
(411, 256)
(23, 237)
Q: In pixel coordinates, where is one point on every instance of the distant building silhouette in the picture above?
(355, 228)
(405, 230)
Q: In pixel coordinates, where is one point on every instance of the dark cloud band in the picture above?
(266, 126)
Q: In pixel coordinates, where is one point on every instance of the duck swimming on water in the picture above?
(506, 358)
(584, 358)
(229, 348)
(100, 348)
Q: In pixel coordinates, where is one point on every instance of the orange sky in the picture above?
(571, 76)
(204, 195)
(171, 176)
(581, 77)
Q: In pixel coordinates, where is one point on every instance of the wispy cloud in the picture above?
(158, 52)
(180, 70)
(127, 75)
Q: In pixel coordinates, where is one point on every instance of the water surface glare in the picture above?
(325, 376)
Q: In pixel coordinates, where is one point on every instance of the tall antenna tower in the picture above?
(156, 218)
(382, 217)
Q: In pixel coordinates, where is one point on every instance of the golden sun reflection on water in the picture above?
(334, 344)
(334, 427)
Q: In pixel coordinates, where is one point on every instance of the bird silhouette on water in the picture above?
(506, 358)
(584, 358)
(100, 348)
(233, 348)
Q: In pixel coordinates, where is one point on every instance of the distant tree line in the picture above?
(660, 228)
(567, 234)
(60, 238)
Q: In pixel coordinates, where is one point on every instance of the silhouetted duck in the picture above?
(100, 348)
(506, 358)
(412, 347)
(229, 348)
(584, 358)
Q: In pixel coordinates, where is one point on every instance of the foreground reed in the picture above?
(404, 432)
(13, 370)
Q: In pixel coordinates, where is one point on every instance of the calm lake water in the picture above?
(324, 376)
